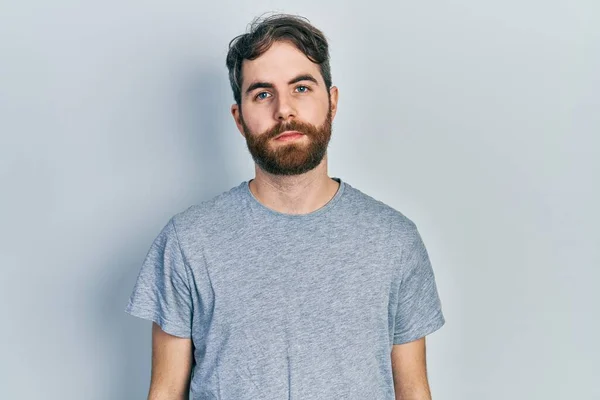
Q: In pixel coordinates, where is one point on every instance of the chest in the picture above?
(327, 285)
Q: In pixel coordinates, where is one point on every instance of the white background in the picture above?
(479, 120)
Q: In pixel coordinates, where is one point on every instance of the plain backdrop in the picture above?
(478, 120)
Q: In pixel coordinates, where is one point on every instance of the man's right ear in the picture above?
(237, 117)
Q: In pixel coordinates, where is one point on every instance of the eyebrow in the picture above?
(268, 85)
(304, 77)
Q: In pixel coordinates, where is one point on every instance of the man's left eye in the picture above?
(302, 89)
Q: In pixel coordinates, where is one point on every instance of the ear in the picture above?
(334, 95)
(237, 117)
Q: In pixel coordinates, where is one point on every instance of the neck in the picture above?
(297, 194)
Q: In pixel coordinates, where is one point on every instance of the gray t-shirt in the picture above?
(282, 306)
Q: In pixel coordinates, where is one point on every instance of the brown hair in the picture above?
(263, 33)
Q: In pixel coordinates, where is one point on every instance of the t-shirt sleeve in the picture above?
(419, 311)
(162, 291)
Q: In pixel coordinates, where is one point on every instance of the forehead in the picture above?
(280, 63)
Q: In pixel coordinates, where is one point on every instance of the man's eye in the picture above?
(262, 95)
(302, 89)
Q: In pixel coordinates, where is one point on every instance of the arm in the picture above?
(172, 358)
(410, 371)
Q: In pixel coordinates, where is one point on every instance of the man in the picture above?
(293, 285)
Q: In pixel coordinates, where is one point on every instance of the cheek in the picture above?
(314, 112)
(255, 119)
(260, 122)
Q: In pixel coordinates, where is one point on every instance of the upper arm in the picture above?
(172, 359)
(410, 370)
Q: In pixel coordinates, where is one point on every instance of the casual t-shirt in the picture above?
(288, 306)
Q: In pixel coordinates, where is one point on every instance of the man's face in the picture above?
(283, 92)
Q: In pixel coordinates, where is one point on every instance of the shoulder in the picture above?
(201, 218)
(368, 208)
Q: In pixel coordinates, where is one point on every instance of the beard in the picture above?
(295, 157)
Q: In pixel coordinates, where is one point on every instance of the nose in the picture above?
(285, 108)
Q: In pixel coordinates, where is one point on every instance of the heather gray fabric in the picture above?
(284, 306)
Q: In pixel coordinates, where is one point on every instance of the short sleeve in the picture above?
(162, 291)
(419, 311)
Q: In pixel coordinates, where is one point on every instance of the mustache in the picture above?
(304, 128)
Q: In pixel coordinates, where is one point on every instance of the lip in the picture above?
(289, 135)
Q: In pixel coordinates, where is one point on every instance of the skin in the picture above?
(172, 359)
(286, 100)
(297, 194)
(410, 371)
